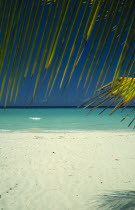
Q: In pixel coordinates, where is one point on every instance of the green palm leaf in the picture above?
(8, 28)
(55, 69)
(122, 29)
(17, 55)
(30, 38)
(67, 43)
(12, 40)
(41, 65)
(42, 39)
(103, 39)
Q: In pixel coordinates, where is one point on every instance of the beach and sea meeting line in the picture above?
(64, 158)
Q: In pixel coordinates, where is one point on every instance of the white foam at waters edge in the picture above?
(37, 130)
(5, 130)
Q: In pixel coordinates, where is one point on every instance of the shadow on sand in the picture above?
(120, 200)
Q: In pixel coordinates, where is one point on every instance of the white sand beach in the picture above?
(63, 171)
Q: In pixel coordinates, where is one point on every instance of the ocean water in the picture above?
(63, 119)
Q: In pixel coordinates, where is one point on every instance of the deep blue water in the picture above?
(48, 119)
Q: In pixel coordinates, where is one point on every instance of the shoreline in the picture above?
(64, 170)
(37, 130)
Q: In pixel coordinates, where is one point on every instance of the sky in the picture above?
(66, 96)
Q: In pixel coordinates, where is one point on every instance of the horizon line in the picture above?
(38, 107)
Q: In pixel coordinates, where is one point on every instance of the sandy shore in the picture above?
(63, 171)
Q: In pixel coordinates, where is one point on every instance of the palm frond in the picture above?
(41, 65)
(102, 41)
(64, 10)
(42, 39)
(61, 52)
(30, 38)
(122, 29)
(21, 54)
(121, 93)
(6, 37)
(13, 39)
(128, 42)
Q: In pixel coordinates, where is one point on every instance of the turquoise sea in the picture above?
(63, 119)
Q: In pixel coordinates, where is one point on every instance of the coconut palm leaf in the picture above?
(127, 44)
(100, 22)
(125, 50)
(46, 46)
(67, 43)
(123, 92)
(24, 41)
(17, 55)
(94, 10)
(30, 38)
(64, 10)
(41, 65)
(92, 20)
(2, 13)
(64, 52)
(122, 29)
(93, 17)
(6, 37)
(12, 40)
(76, 39)
(54, 72)
(42, 38)
(103, 40)
(120, 22)
(101, 53)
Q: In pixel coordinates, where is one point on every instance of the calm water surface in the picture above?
(70, 119)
